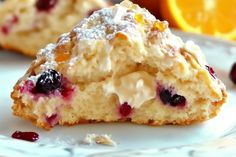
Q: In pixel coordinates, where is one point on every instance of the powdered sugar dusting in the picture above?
(47, 51)
(105, 23)
(134, 23)
(34, 78)
(73, 61)
(48, 65)
(50, 57)
(64, 38)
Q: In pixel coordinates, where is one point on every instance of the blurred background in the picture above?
(210, 17)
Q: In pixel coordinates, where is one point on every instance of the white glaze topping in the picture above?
(195, 51)
(135, 88)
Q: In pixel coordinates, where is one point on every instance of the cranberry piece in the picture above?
(211, 71)
(5, 29)
(232, 74)
(125, 109)
(45, 5)
(165, 96)
(66, 89)
(49, 81)
(27, 136)
(15, 19)
(28, 87)
(177, 100)
(53, 119)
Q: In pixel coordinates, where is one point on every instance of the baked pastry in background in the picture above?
(28, 25)
(119, 64)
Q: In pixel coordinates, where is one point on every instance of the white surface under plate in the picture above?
(216, 137)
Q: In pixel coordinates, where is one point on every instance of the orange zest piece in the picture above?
(139, 19)
(161, 26)
(214, 17)
(121, 36)
(61, 57)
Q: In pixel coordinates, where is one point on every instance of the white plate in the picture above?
(215, 137)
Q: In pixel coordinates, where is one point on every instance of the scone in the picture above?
(28, 25)
(119, 64)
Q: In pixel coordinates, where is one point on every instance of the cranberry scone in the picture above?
(28, 25)
(119, 64)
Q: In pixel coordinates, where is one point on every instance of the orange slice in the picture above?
(214, 17)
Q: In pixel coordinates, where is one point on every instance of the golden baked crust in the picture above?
(20, 111)
(116, 64)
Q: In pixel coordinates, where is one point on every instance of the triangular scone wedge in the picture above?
(29, 25)
(120, 64)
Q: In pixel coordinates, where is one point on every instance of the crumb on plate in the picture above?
(99, 139)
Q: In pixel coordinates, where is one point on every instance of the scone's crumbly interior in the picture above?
(119, 64)
(28, 25)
